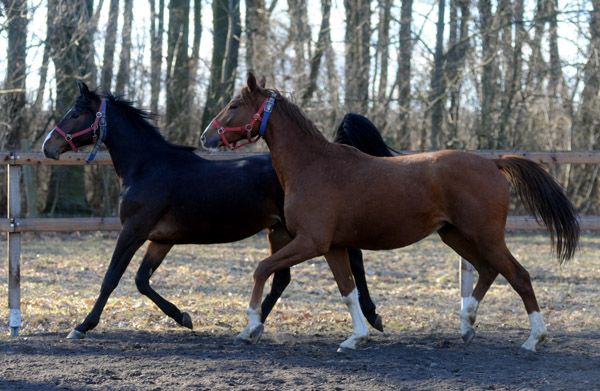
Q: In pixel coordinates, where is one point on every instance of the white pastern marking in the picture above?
(253, 317)
(361, 331)
(468, 313)
(538, 331)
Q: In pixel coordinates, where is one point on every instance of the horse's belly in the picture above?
(387, 233)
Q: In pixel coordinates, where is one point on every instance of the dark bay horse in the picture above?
(170, 195)
(337, 197)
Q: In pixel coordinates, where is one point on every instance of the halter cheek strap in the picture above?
(265, 108)
(99, 123)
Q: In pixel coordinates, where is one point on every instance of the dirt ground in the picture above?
(135, 347)
(180, 360)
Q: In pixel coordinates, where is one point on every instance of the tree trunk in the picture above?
(404, 74)
(437, 97)
(123, 74)
(227, 30)
(315, 62)
(489, 80)
(358, 14)
(256, 25)
(458, 45)
(68, 23)
(299, 35)
(178, 72)
(156, 51)
(109, 46)
(13, 123)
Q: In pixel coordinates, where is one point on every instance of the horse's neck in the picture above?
(128, 147)
(292, 149)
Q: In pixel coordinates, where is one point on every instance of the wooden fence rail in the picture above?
(15, 224)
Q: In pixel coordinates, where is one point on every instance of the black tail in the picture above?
(359, 132)
(545, 200)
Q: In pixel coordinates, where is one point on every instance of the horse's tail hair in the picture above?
(359, 132)
(544, 199)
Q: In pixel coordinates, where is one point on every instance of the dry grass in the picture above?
(414, 288)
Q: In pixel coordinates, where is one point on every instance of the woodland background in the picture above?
(520, 74)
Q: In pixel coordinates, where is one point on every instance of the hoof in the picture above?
(377, 323)
(468, 337)
(76, 335)
(345, 350)
(186, 321)
(251, 338)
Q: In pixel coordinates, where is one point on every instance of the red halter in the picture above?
(266, 107)
(93, 128)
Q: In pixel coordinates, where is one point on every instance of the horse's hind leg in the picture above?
(278, 237)
(155, 254)
(468, 313)
(366, 303)
(490, 257)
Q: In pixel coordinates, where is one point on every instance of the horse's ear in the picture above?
(251, 82)
(262, 82)
(83, 89)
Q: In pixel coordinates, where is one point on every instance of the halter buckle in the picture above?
(68, 137)
(220, 130)
(248, 128)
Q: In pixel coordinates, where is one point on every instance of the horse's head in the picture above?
(83, 124)
(244, 118)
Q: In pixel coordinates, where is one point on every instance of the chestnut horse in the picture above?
(170, 195)
(337, 197)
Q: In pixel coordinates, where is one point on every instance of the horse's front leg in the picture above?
(278, 237)
(128, 243)
(297, 251)
(337, 258)
(155, 254)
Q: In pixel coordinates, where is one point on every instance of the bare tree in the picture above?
(227, 30)
(125, 58)
(178, 72)
(358, 34)
(404, 73)
(12, 98)
(489, 79)
(437, 97)
(156, 36)
(109, 46)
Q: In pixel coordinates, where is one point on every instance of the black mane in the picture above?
(138, 116)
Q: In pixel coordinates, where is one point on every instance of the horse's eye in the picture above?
(75, 115)
(232, 107)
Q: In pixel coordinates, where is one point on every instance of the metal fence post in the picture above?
(14, 248)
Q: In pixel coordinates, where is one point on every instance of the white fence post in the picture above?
(14, 249)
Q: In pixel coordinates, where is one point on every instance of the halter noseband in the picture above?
(99, 123)
(266, 107)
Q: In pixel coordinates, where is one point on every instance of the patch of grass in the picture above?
(414, 288)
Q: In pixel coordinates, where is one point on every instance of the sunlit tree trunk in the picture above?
(109, 46)
(358, 33)
(125, 58)
(178, 72)
(69, 23)
(488, 139)
(156, 34)
(438, 94)
(404, 74)
(227, 30)
(13, 123)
